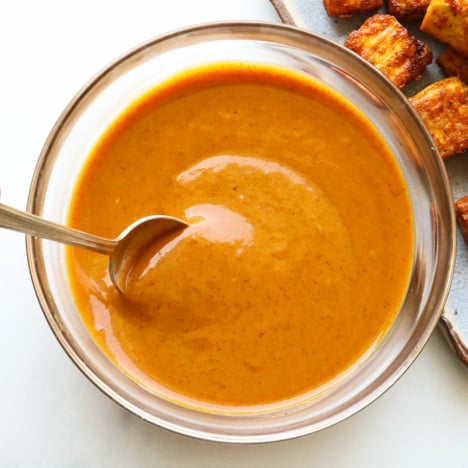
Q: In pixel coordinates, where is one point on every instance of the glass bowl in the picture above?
(112, 90)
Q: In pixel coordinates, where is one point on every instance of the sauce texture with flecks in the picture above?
(299, 246)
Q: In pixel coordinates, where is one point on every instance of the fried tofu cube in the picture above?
(453, 64)
(447, 21)
(350, 7)
(461, 211)
(407, 10)
(443, 107)
(387, 45)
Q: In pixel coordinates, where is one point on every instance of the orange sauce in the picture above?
(300, 243)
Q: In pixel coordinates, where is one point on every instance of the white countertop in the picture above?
(52, 416)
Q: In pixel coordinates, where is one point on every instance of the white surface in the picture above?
(51, 415)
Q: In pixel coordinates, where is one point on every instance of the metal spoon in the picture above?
(122, 250)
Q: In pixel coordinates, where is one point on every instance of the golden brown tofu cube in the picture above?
(453, 64)
(443, 107)
(447, 21)
(350, 7)
(407, 10)
(387, 45)
(461, 211)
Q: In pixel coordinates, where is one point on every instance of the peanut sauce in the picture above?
(300, 243)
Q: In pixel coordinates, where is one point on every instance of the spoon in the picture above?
(122, 250)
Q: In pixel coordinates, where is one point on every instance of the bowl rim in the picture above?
(44, 165)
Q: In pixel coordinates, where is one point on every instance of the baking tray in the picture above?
(311, 15)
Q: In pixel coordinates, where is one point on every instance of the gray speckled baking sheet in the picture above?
(310, 14)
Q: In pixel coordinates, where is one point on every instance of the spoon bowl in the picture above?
(134, 239)
(122, 250)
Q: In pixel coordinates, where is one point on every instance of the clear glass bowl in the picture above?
(112, 90)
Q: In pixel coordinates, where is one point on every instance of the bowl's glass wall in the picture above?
(95, 107)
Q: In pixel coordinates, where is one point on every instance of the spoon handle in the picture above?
(16, 220)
